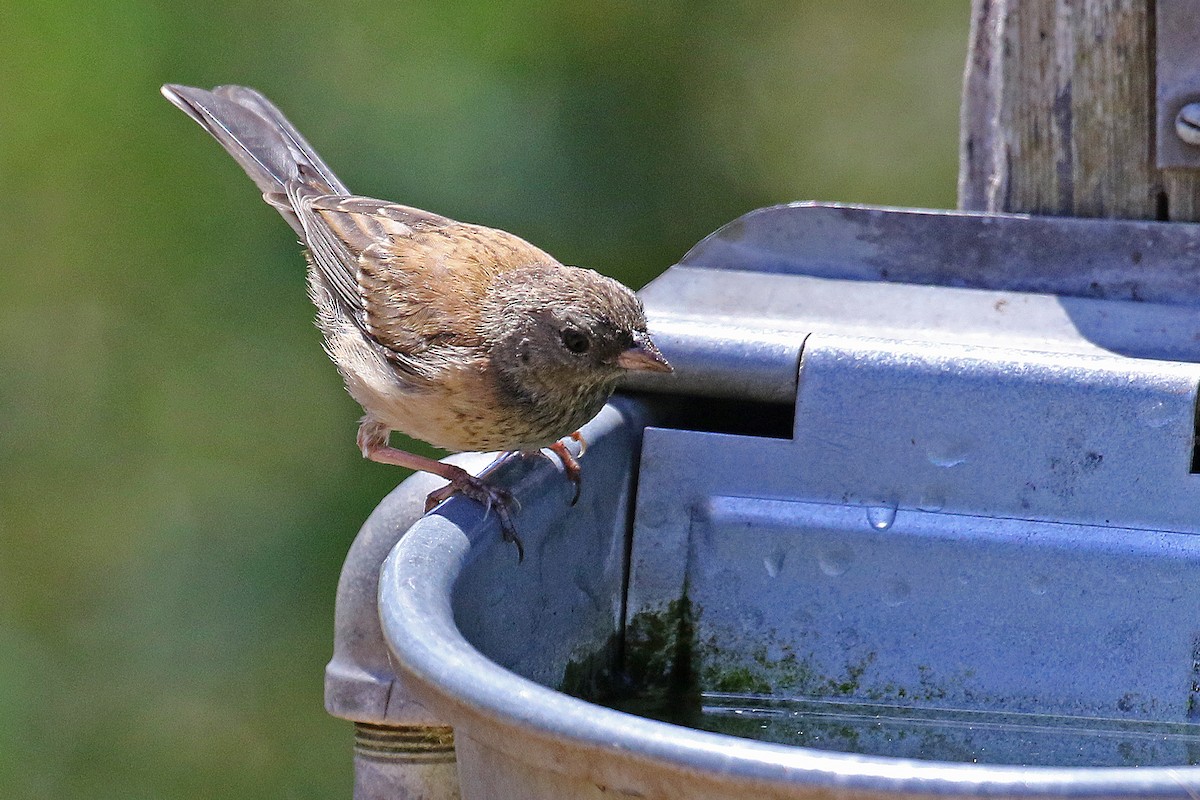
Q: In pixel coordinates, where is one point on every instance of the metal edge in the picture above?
(534, 724)
(1134, 260)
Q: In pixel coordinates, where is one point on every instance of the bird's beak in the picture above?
(643, 356)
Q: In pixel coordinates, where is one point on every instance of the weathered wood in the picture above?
(1058, 113)
(1182, 192)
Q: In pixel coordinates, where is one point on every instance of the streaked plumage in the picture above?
(460, 335)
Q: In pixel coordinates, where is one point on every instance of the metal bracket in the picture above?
(951, 526)
(1177, 78)
(995, 420)
(734, 313)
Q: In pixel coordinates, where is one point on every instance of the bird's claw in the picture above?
(488, 496)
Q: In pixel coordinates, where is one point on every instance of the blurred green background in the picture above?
(179, 481)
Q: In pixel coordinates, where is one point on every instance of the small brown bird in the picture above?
(466, 337)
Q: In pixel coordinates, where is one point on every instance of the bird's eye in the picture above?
(576, 341)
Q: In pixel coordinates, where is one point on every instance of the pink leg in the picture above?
(571, 466)
(373, 442)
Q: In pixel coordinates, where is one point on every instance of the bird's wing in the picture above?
(409, 278)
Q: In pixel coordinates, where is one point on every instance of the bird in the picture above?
(460, 335)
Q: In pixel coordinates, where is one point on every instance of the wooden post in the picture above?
(1058, 113)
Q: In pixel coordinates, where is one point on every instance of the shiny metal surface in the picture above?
(520, 739)
(360, 684)
(733, 315)
(1105, 259)
(400, 749)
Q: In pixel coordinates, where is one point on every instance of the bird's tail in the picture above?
(261, 140)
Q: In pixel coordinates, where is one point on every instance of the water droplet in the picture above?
(931, 500)
(881, 517)
(1039, 585)
(946, 452)
(897, 593)
(835, 559)
(774, 563)
(1156, 413)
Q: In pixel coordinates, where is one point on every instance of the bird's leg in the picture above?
(571, 466)
(373, 442)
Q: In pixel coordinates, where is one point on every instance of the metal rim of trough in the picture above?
(454, 680)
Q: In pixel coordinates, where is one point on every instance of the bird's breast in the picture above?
(460, 404)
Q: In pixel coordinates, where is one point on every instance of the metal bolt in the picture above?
(1187, 123)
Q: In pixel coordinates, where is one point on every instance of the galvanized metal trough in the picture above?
(915, 517)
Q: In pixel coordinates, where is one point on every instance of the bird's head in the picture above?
(557, 330)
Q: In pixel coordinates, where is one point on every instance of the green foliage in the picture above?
(179, 481)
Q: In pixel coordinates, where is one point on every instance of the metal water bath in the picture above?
(916, 517)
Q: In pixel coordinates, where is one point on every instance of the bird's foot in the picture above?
(489, 496)
(373, 441)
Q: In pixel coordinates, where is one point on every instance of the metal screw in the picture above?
(1187, 123)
